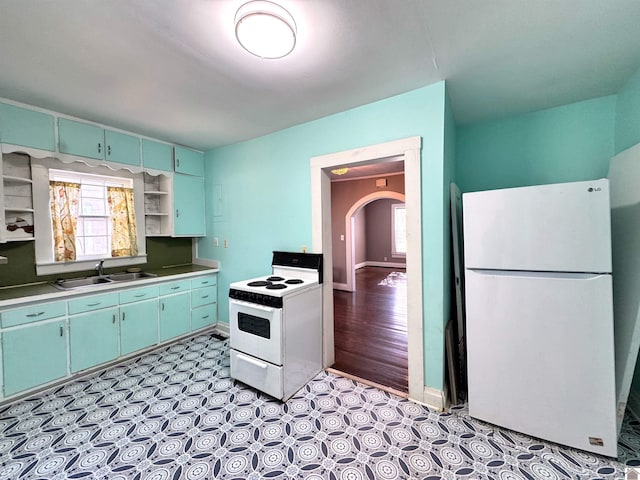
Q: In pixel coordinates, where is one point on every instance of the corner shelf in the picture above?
(17, 197)
(158, 205)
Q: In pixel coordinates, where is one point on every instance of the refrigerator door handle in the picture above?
(519, 273)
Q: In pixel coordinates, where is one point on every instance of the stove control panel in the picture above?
(257, 298)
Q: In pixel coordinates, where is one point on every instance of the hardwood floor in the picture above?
(370, 327)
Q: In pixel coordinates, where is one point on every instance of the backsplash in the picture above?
(21, 269)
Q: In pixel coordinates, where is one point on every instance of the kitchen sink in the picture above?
(70, 283)
(120, 277)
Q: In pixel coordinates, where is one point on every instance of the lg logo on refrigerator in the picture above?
(594, 189)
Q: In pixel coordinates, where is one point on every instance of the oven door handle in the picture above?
(253, 361)
(255, 306)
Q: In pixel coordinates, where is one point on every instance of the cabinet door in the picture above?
(19, 126)
(33, 355)
(174, 315)
(77, 138)
(189, 161)
(188, 201)
(138, 325)
(122, 148)
(93, 338)
(156, 155)
(204, 316)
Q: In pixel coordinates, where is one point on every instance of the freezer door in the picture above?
(559, 228)
(541, 356)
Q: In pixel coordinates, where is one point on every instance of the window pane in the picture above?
(95, 226)
(96, 246)
(399, 229)
(95, 191)
(93, 206)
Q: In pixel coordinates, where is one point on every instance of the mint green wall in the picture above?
(569, 143)
(266, 200)
(628, 114)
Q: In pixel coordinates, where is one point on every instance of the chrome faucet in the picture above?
(100, 268)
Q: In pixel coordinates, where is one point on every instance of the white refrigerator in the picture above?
(538, 291)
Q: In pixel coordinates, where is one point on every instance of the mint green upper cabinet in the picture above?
(175, 314)
(86, 140)
(93, 338)
(122, 148)
(28, 128)
(156, 155)
(77, 138)
(189, 161)
(138, 325)
(188, 202)
(33, 355)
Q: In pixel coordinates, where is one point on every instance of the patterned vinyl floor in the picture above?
(174, 413)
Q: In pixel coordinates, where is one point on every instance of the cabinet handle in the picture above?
(94, 304)
(206, 316)
(60, 330)
(31, 315)
(177, 213)
(177, 162)
(175, 288)
(109, 150)
(163, 306)
(99, 147)
(123, 316)
(204, 283)
(140, 295)
(205, 296)
(114, 318)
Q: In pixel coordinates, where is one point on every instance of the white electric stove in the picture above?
(275, 324)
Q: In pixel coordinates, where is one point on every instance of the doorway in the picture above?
(407, 150)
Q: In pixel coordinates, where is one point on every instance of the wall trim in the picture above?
(340, 286)
(382, 264)
(223, 329)
(433, 398)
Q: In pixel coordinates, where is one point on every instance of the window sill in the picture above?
(54, 268)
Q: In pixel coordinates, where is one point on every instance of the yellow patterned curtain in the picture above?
(124, 239)
(64, 200)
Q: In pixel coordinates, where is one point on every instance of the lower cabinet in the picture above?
(94, 338)
(34, 355)
(174, 315)
(138, 325)
(204, 316)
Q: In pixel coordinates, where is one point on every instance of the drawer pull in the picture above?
(252, 361)
(206, 316)
(140, 295)
(94, 304)
(205, 296)
(175, 288)
(31, 315)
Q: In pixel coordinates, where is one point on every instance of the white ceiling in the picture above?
(171, 69)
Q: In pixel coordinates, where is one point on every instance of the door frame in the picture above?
(407, 150)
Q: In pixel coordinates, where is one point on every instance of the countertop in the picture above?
(35, 292)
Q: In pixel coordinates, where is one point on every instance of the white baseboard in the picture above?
(223, 329)
(358, 266)
(385, 264)
(432, 398)
(340, 286)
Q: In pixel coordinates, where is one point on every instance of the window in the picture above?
(86, 213)
(91, 233)
(398, 230)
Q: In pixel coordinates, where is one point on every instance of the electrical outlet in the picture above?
(342, 238)
(216, 242)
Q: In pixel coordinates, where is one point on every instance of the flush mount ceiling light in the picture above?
(265, 29)
(340, 171)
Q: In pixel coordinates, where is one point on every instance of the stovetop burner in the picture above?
(294, 281)
(258, 283)
(276, 286)
(275, 279)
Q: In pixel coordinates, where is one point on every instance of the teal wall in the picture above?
(266, 200)
(628, 114)
(569, 143)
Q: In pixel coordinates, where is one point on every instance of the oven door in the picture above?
(256, 330)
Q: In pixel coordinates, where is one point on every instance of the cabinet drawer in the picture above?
(204, 316)
(137, 294)
(204, 281)
(174, 287)
(204, 296)
(257, 373)
(32, 313)
(93, 302)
